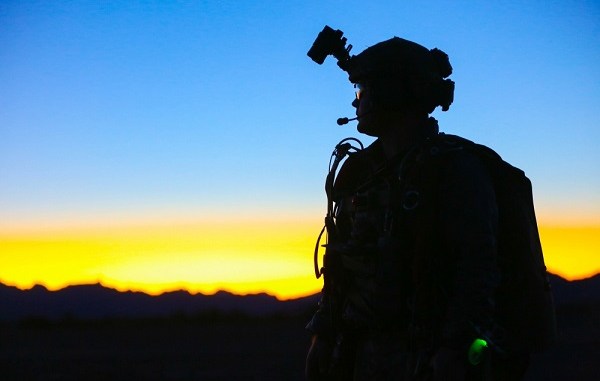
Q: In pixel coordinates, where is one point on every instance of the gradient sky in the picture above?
(158, 145)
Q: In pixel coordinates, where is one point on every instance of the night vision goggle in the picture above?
(330, 42)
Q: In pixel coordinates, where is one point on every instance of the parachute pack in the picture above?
(524, 302)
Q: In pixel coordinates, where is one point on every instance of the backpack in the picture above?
(524, 301)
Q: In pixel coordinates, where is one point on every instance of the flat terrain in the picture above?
(225, 349)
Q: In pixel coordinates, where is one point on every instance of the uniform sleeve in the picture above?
(353, 173)
(350, 175)
(468, 225)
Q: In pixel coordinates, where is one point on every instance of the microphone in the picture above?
(342, 121)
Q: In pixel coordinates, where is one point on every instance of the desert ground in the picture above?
(225, 348)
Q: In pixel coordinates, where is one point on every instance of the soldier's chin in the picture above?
(366, 128)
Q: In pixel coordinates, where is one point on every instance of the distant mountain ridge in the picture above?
(584, 291)
(97, 302)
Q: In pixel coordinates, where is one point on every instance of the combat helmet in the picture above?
(400, 73)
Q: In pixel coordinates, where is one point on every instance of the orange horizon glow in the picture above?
(242, 257)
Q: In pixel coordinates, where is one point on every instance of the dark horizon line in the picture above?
(220, 291)
(181, 290)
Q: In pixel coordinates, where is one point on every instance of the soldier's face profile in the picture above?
(364, 110)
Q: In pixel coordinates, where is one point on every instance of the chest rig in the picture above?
(375, 222)
(385, 199)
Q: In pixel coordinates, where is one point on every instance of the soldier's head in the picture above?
(398, 78)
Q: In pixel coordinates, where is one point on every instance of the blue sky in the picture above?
(115, 109)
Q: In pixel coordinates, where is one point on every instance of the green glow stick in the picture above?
(475, 354)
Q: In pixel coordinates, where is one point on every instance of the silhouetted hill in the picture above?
(584, 291)
(98, 302)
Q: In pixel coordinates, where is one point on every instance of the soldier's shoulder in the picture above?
(359, 167)
(459, 158)
(364, 159)
(443, 144)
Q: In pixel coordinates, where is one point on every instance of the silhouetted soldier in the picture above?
(411, 265)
